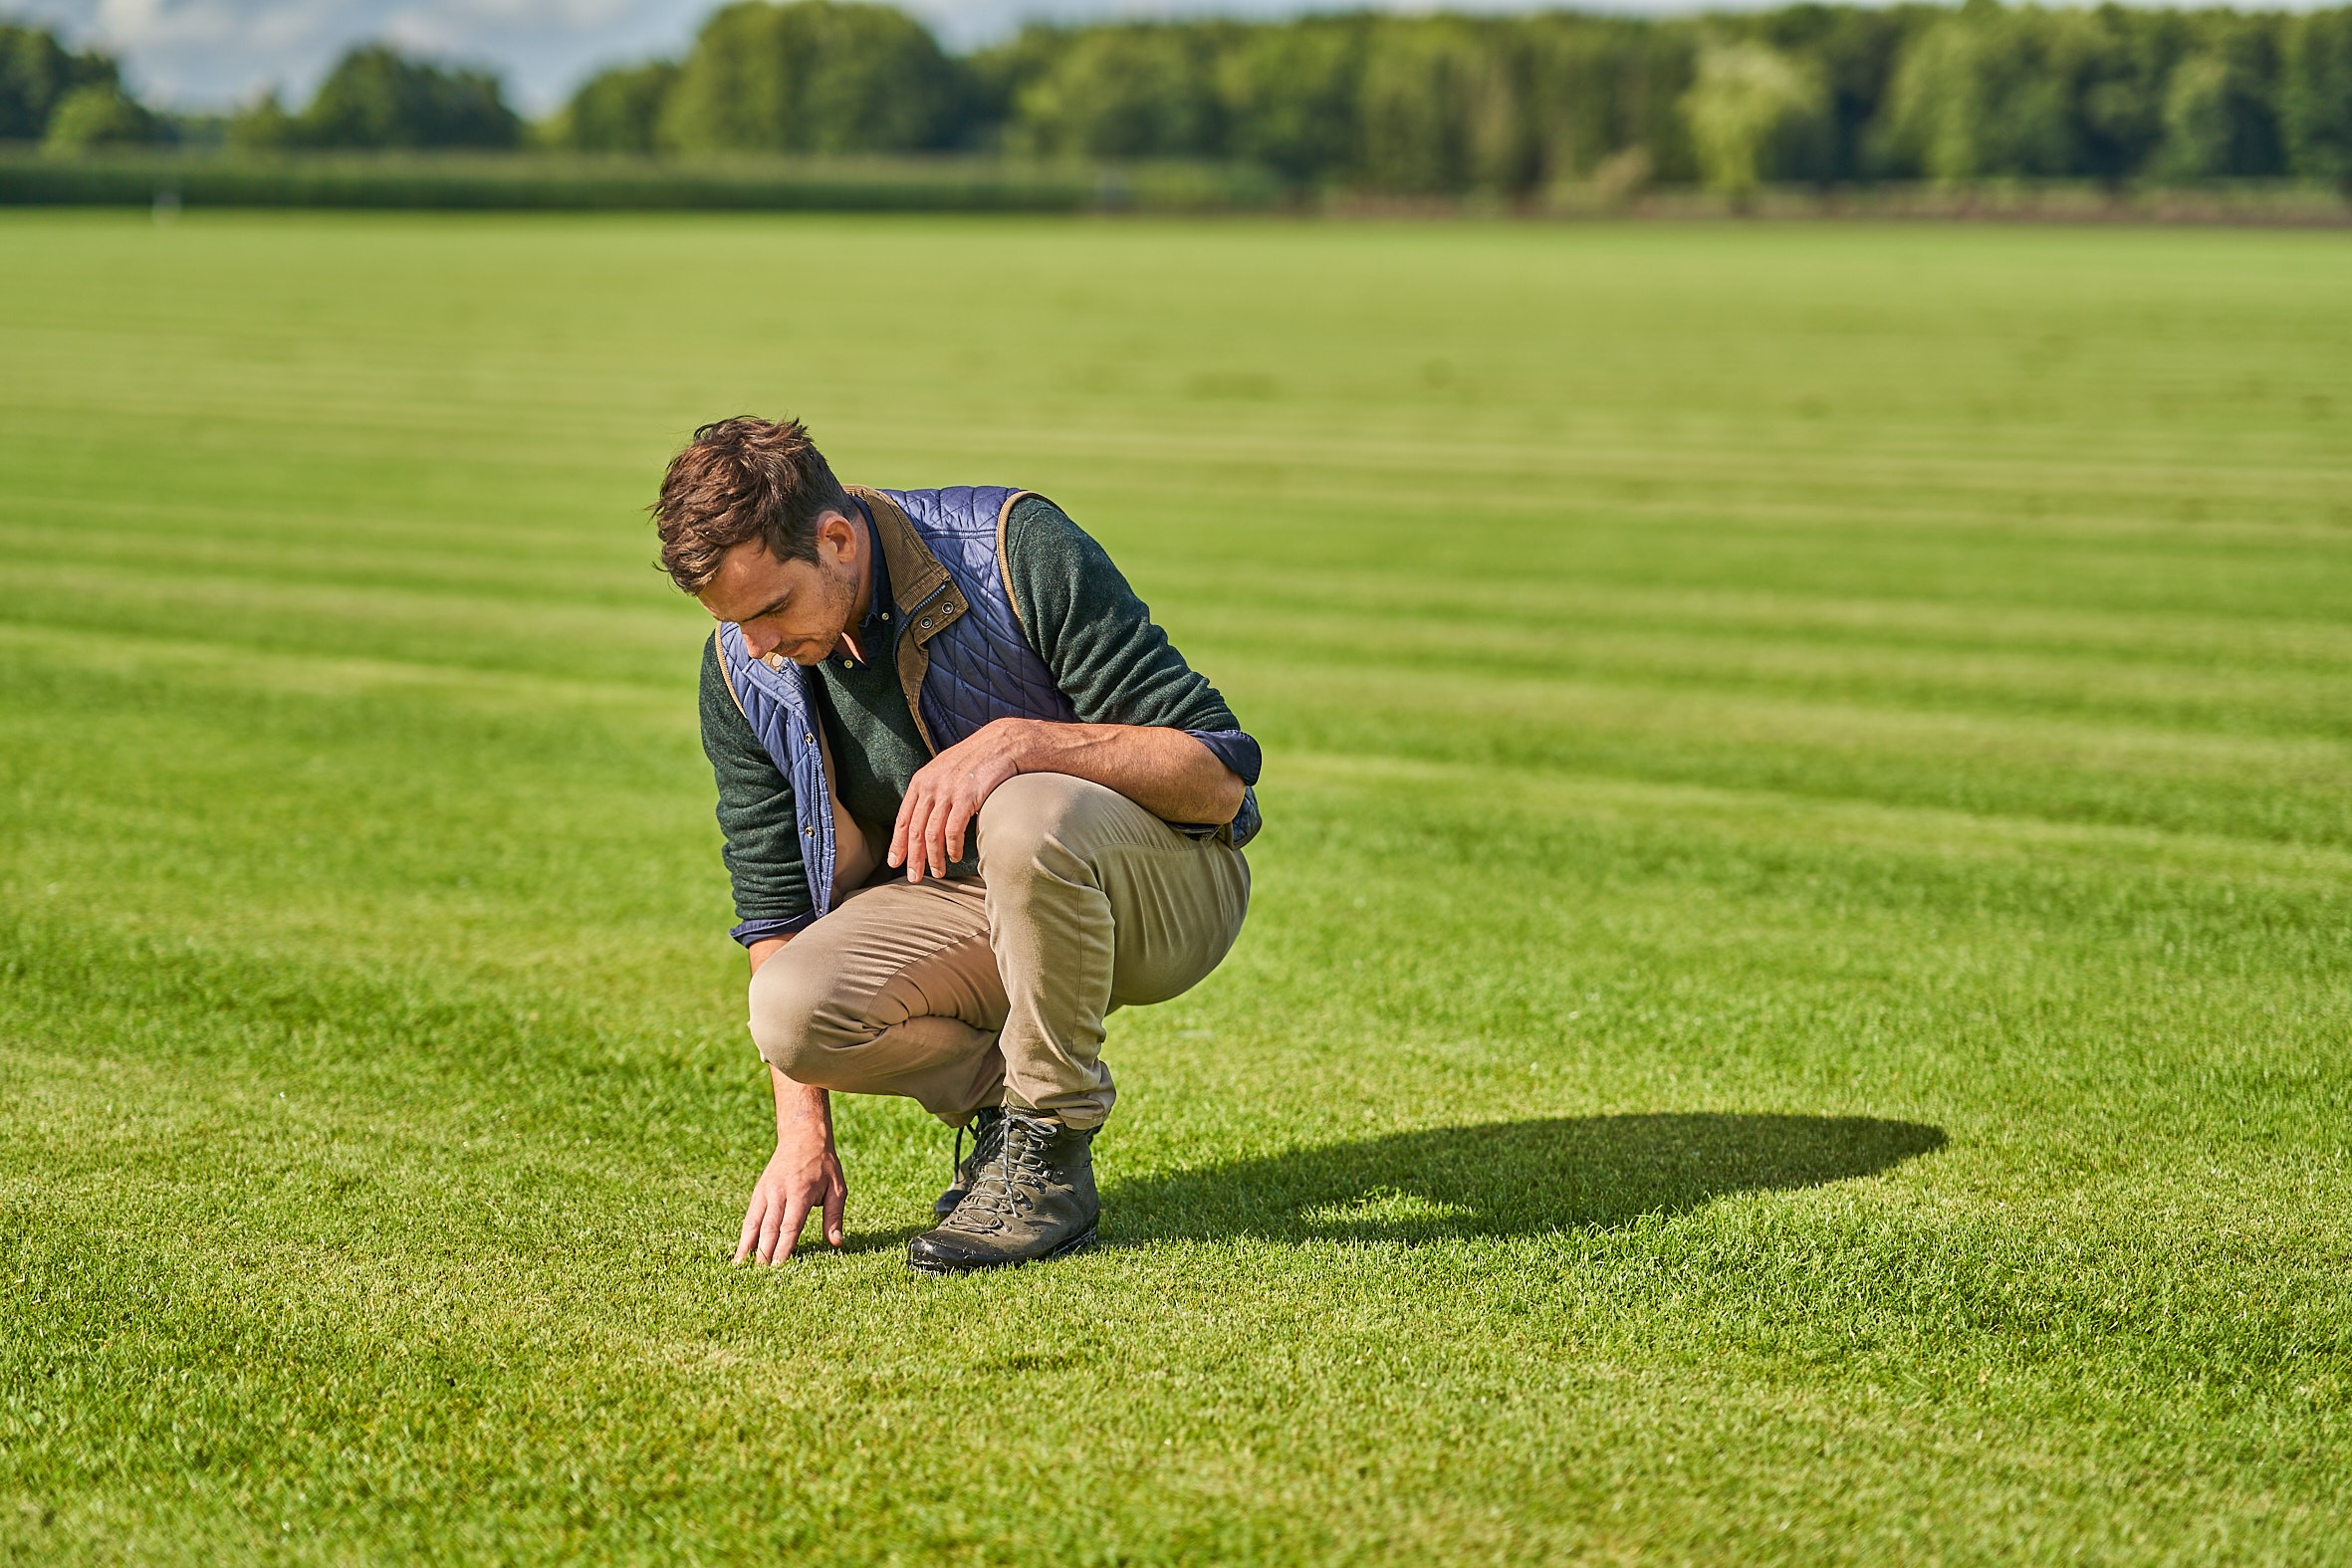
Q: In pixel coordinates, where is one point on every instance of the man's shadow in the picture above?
(1507, 1178)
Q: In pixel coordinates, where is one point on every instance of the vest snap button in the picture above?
(807, 832)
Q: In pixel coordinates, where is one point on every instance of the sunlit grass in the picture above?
(1795, 1010)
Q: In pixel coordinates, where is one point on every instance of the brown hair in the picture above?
(741, 479)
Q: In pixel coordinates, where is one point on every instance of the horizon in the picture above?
(211, 56)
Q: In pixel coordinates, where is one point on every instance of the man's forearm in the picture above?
(803, 1116)
(800, 1109)
(1168, 772)
(804, 1174)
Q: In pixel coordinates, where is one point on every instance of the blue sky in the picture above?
(214, 53)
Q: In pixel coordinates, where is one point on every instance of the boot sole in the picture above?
(1077, 1244)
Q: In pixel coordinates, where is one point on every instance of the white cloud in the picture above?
(212, 53)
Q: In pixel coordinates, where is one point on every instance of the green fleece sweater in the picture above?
(1080, 617)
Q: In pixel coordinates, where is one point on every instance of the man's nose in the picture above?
(759, 642)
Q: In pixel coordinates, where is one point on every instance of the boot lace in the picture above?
(984, 1131)
(1008, 1183)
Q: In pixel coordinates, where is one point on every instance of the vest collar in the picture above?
(927, 598)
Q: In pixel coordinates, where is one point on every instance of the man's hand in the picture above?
(803, 1173)
(947, 792)
(1166, 771)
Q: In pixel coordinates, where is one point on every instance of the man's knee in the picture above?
(796, 1014)
(1041, 823)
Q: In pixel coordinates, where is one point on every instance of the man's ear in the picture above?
(834, 528)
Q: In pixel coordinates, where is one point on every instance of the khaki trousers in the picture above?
(993, 991)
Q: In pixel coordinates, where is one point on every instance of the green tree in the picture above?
(377, 97)
(1747, 96)
(1969, 99)
(1289, 94)
(36, 74)
(2111, 65)
(1601, 90)
(1662, 61)
(818, 76)
(1145, 90)
(995, 75)
(618, 111)
(1854, 52)
(1992, 91)
(98, 116)
(2220, 100)
(2196, 119)
(264, 125)
(1441, 109)
(2315, 100)
(1447, 103)
(1574, 66)
(2249, 46)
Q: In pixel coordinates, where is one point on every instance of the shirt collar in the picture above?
(879, 627)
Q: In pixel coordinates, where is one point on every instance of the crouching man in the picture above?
(973, 799)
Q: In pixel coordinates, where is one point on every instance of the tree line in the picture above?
(69, 99)
(1404, 104)
(375, 96)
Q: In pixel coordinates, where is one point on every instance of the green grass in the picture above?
(561, 181)
(1797, 1002)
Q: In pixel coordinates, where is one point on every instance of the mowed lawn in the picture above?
(1797, 1005)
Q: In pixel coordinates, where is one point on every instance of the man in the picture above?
(973, 800)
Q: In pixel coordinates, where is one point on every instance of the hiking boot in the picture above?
(987, 1128)
(1034, 1199)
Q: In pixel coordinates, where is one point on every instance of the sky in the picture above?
(214, 54)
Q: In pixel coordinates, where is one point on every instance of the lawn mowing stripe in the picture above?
(1889, 701)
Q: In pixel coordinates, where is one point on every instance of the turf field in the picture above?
(1796, 1009)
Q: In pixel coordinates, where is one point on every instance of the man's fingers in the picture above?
(935, 835)
(898, 832)
(911, 832)
(918, 837)
(934, 824)
(907, 832)
(751, 1227)
(934, 827)
(836, 1197)
(958, 818)
(795, 1215)
(770, 1223)
(922, 799)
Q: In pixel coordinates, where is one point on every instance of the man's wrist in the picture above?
(810, 1106)
(1038, 746)
(1024, 741)
(802, 1111)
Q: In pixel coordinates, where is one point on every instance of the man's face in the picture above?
(798, 609)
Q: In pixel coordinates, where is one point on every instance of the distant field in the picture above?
(1796, 1010)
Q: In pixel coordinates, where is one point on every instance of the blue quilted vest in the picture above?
(976, 665)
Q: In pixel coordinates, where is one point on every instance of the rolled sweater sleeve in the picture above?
(762, 840)
(1101, 644)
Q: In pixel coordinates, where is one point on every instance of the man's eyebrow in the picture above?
(781, 600)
